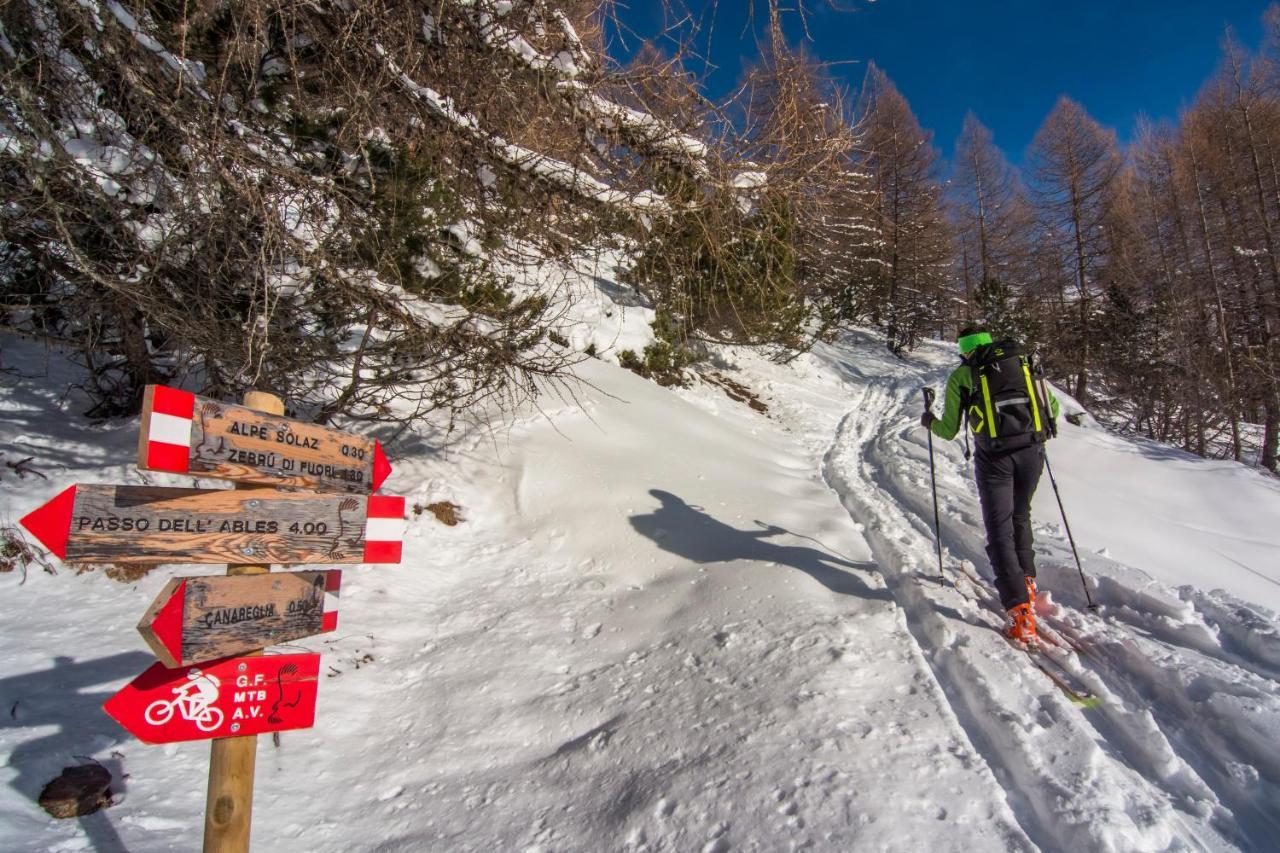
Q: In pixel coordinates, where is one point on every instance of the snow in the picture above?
(653, 132)
(6, 45)
(605, 315)
(427, 268)
(308, 217)
(464, 237)
(156, 229)
(184, 67)
(1207, 523)
(102, 160)
(10, 144)
(670, 622)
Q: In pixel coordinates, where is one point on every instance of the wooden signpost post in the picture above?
(209, 632)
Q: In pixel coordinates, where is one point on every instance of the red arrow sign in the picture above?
(206, 618)
(184, 433)
(224, 698)
(150, 524)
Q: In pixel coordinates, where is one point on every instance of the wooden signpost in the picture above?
(196, 624)
(153, 524)
(199, 619)
(183, 433)
(232, 697)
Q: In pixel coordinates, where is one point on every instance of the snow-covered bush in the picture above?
(321, 199)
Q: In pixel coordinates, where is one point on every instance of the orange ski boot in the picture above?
(1031, 592)
(1022, 625)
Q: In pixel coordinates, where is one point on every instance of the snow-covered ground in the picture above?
(670, 622)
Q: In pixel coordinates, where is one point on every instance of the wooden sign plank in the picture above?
(149, 524)
(205, 618)
(231, 697)
(183, 433)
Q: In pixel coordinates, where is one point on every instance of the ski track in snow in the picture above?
(1167, 761)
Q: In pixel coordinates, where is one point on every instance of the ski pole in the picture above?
(1066, 524)
(933, 478)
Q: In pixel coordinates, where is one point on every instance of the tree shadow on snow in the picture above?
(33, 410)
(61, 697)
(689, 532)
(620, 294)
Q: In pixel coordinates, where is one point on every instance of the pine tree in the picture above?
(909, 291)
(990, 219)
(1074, 165)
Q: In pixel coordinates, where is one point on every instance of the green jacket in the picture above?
(960, 389)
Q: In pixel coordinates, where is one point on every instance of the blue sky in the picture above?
(1007, 60)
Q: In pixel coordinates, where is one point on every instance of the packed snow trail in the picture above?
(1176, 757)
(1023, 727)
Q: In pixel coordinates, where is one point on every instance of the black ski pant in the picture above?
(1006, 482)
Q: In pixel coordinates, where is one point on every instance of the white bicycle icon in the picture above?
(193, 700)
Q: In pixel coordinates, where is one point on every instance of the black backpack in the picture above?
(1008, 407)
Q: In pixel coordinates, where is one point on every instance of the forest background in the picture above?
(337, 200)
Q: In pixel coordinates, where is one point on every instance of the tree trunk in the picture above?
(1233, 403)
(137, 355)
(1081, 391)
(1271, 435)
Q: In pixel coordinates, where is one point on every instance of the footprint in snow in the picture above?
(718, 842)
(664, 809)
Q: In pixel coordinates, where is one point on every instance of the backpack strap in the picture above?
(1031, 394)
(1043, 388)
(986, 400)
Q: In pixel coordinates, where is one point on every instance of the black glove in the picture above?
(927, 419)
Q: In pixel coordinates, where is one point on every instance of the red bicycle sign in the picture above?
(193, 700)
(222, 698)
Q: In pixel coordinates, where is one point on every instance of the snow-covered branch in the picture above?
(563, 175)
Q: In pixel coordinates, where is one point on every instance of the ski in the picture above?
(1061, 641)
(1077, 695)
(1062, 679)
(1054, 670)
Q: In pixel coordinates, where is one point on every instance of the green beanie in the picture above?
(970, 340)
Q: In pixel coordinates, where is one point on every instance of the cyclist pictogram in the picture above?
(193, 699)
